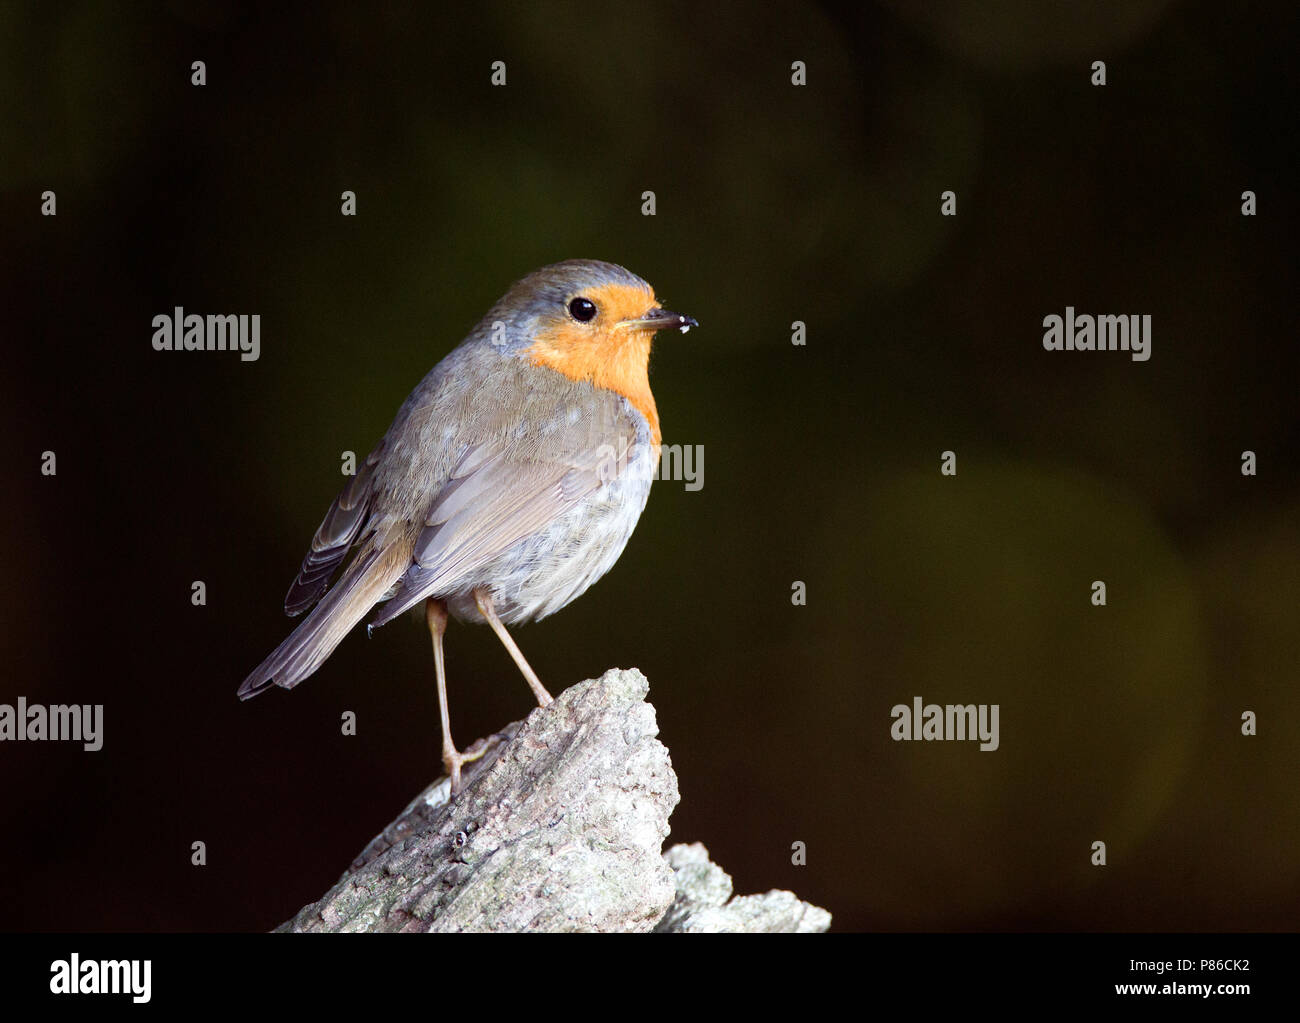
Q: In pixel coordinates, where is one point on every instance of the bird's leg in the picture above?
(435, 613)
(483, 598)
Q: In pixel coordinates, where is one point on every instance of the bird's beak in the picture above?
(661, 319)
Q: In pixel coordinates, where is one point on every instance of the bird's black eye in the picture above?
(582, 309)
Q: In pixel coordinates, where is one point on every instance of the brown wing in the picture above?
(491, 501)
(337, 534)
(367, 577)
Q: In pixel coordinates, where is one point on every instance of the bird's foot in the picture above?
(452, 762)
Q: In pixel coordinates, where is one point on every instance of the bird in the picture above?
(509, 482)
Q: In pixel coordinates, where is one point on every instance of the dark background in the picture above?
(775, 204)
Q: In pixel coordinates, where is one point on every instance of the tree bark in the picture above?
(559, 827)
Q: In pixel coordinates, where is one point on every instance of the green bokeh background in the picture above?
(775, 204)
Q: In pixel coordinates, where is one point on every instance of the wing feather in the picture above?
(338, 532)
(481, 513)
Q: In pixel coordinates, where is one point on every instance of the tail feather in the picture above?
(362, 584)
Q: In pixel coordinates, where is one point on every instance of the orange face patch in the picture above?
(604, 350)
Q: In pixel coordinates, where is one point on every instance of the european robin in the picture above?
(508, 483)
